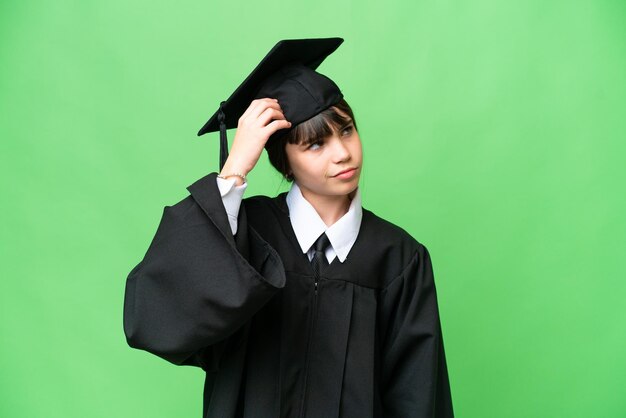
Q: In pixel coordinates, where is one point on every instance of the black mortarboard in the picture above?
(287, 73)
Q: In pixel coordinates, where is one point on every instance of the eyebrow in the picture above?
(348, 123)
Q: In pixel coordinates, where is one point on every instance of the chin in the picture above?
(337, 189)
(347, 188)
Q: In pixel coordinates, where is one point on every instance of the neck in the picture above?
(330, 208)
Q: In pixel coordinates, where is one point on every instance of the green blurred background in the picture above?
(493, 132)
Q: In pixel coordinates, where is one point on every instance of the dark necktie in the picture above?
(319, 261)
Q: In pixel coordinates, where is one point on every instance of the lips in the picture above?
(345, 171)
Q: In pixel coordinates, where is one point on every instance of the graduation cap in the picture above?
(287, 73)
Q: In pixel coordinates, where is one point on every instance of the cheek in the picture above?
(357, 151)
(299, 166)
(308, 171)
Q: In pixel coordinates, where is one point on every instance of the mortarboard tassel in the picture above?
(221, 117)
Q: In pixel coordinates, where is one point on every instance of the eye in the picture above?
(316, 145)
(347, 130)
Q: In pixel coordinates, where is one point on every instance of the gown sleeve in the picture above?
(197, 284)
(414, 377)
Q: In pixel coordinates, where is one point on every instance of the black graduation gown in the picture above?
(364, 342)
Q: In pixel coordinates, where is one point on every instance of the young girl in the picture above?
(301, 305)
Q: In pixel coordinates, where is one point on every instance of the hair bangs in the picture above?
(319, 127)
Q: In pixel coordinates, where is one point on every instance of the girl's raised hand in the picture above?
(260, 120)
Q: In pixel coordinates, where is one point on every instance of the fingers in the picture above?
(270, 114)
(258, 106)
(276, 125)
(259, 115)
(260, 120)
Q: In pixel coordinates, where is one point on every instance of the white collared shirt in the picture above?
(305, 221)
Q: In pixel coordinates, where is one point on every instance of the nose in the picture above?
(341, 153)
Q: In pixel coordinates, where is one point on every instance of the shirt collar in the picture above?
(308, 225)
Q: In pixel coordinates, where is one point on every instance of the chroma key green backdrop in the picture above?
(493, 131)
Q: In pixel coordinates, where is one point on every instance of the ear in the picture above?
(288, 171)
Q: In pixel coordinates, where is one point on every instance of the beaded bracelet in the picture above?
(241, 176)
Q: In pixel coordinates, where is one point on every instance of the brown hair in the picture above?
(309, 132)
